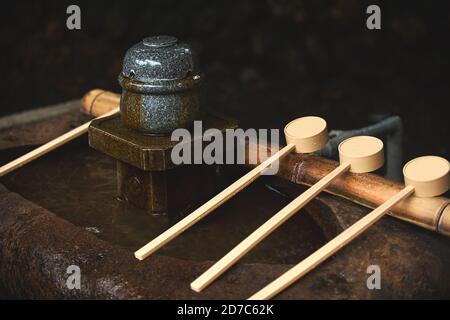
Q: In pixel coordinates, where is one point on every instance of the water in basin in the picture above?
(78, 184)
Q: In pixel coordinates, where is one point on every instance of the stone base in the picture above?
(146, 176)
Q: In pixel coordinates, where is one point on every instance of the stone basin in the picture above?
(61, 210)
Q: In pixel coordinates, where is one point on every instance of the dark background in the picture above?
(265, 62)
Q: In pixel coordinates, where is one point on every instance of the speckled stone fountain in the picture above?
(160, 83)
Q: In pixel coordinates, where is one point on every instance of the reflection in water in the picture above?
(78, 184)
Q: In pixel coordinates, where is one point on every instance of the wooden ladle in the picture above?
(424, 176)
(304, 135)
(357, 154)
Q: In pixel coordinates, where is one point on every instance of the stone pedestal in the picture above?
(146, 176)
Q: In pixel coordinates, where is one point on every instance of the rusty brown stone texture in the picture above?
(36, 247)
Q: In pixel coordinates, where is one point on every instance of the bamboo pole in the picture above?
(97, 102)
(367, 189)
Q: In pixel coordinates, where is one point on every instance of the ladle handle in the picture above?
(209, 206)
(49, 146)
(266, 229)
(330, 248)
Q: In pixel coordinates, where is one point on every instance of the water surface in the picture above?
(79, 184)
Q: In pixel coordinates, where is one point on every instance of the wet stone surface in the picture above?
(78, 184)
(40, 237)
